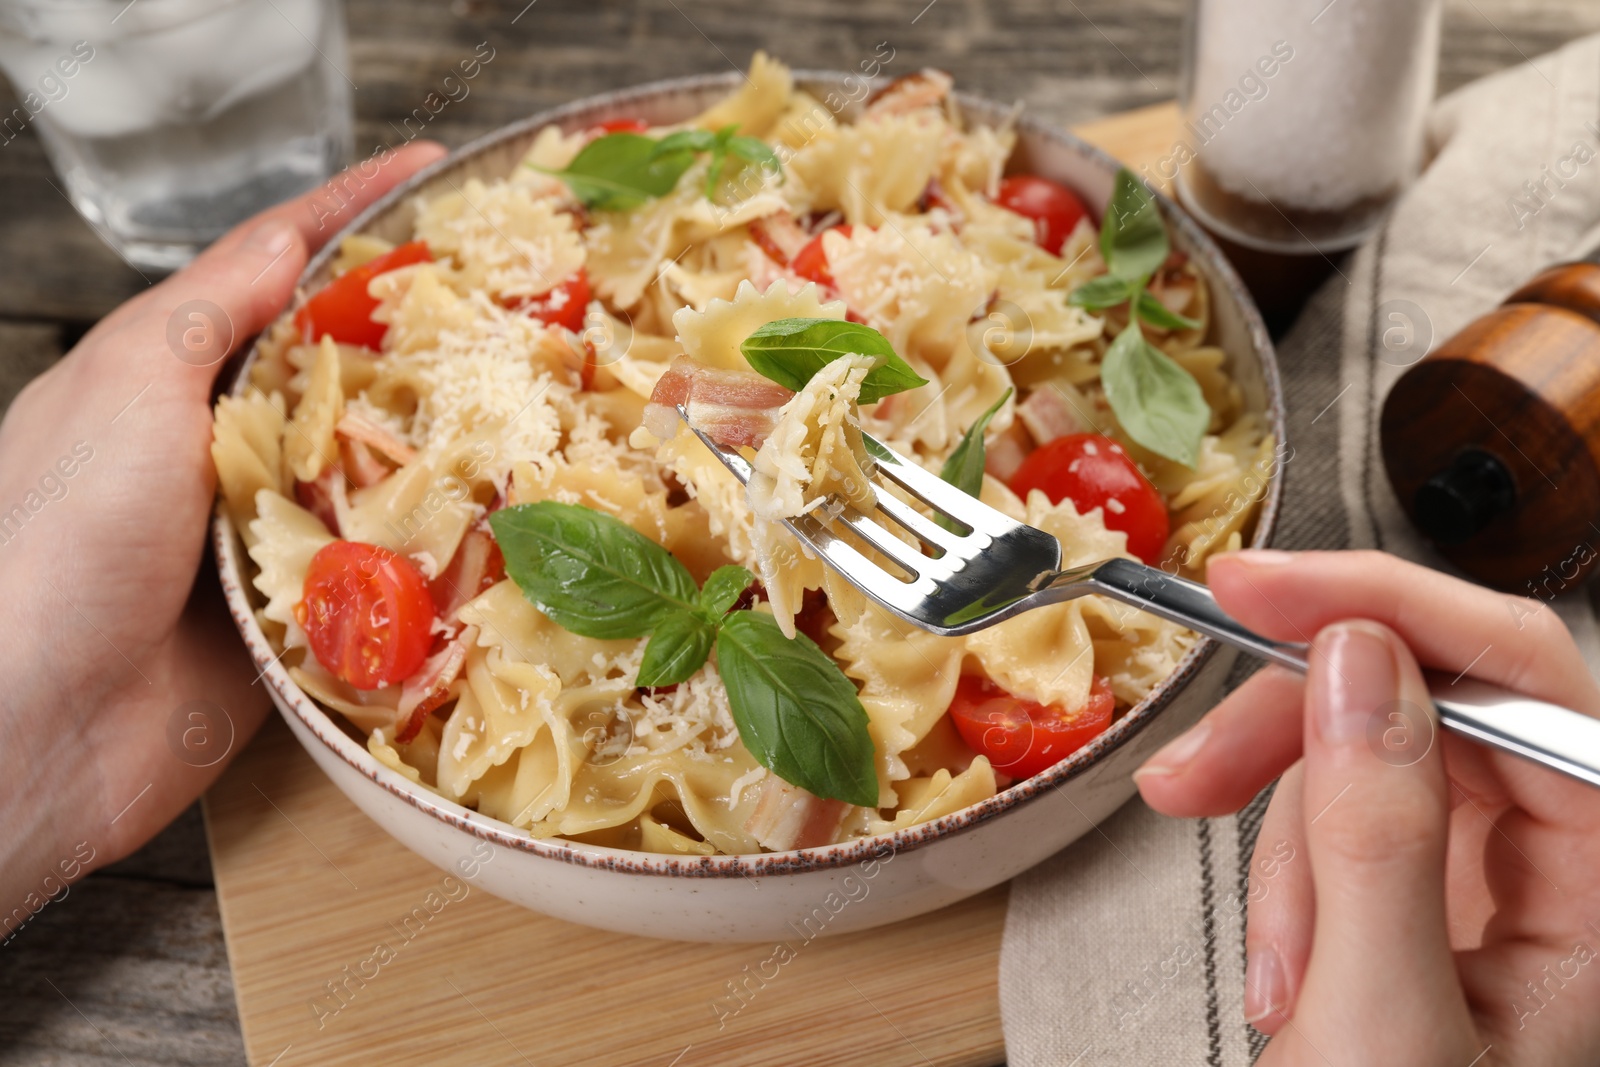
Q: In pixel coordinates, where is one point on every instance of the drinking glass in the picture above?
(171, 120)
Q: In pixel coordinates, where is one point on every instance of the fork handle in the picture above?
(1557, 737)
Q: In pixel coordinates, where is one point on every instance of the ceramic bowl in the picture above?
(806, 892)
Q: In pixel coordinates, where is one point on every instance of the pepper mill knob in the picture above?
(1456, 504)
(1492, 441)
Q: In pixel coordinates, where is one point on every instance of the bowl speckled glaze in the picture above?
(839, 888)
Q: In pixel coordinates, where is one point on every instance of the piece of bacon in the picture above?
(787, 817)
(1173, 285)
(911, 92)
(934, 197)
(779, 236)
(735, 408)
(362, 467)
(477, 565)
(317, 497)
(355, 428)
(429, 687)
(1048, 415)
(1007, 451)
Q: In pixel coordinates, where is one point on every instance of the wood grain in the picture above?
(310, 887)
(1522, 384)
(113, 998)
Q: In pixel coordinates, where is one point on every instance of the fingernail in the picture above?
(1360, 676)
(1178, 754)
(1265, 990)
(271, 237)
(1263, 556)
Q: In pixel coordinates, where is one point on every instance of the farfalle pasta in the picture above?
(526, 355)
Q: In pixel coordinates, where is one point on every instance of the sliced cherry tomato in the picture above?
(1054, 209)
(1094, 472)
(623, 126)
(1023, 738)
(811, 262)
(562, 306)
(343, 309)
(367, 613)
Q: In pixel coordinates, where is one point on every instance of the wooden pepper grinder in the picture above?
(1492, 442)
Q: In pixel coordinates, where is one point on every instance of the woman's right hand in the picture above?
(1448, 908)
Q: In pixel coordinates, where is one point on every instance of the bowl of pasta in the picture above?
(507, 600)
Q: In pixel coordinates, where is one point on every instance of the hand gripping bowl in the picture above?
(757, 897)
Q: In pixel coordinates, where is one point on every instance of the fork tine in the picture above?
(863, 573)
(915, 521)
(907, 556)
(935, 491)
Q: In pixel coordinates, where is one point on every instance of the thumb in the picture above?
(1377, 804)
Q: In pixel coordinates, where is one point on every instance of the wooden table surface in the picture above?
(131, 969)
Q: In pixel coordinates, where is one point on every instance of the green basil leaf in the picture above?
(1133, 240)
(622, 170)
(589, 572)
(964, 468)
(754, 150)
(723, 590)
(1156, 401)
(796, 711)
(1106, 291)
(687, 141)
(790, 351)
(680, 645)
(1157, 314)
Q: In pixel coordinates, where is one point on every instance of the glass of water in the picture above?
(171, 120)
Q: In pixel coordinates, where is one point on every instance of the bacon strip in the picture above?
(735, 408)
(1173, 285)
(1047, 415)
(476, 565)
(317, 497)
(787, 817)
(355, 428)
(926, 88)
(363, 467)
(779, 236)
(1006, 452)
(429, 688)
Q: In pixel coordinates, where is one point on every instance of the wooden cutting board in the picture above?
(309, 887)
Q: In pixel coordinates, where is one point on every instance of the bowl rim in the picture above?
(320, 723)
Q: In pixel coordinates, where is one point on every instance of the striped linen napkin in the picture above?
(1127, 948)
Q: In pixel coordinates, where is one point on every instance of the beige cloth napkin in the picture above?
(1127, 948)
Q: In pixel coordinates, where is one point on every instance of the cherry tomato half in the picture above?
(811, 262)
(1094, 472)
(623, 126)
(562, 306)
(1023, 738)
(344, 310)
(1054, 209)
(367, 613)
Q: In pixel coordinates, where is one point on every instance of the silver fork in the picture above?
(1000, 568)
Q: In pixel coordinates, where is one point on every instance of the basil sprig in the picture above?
(1156, 401)
(796, 711)
(721, 145)
(598, 577)
(964, 468)
(620, 171)
(790, 351)
(590, 573)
